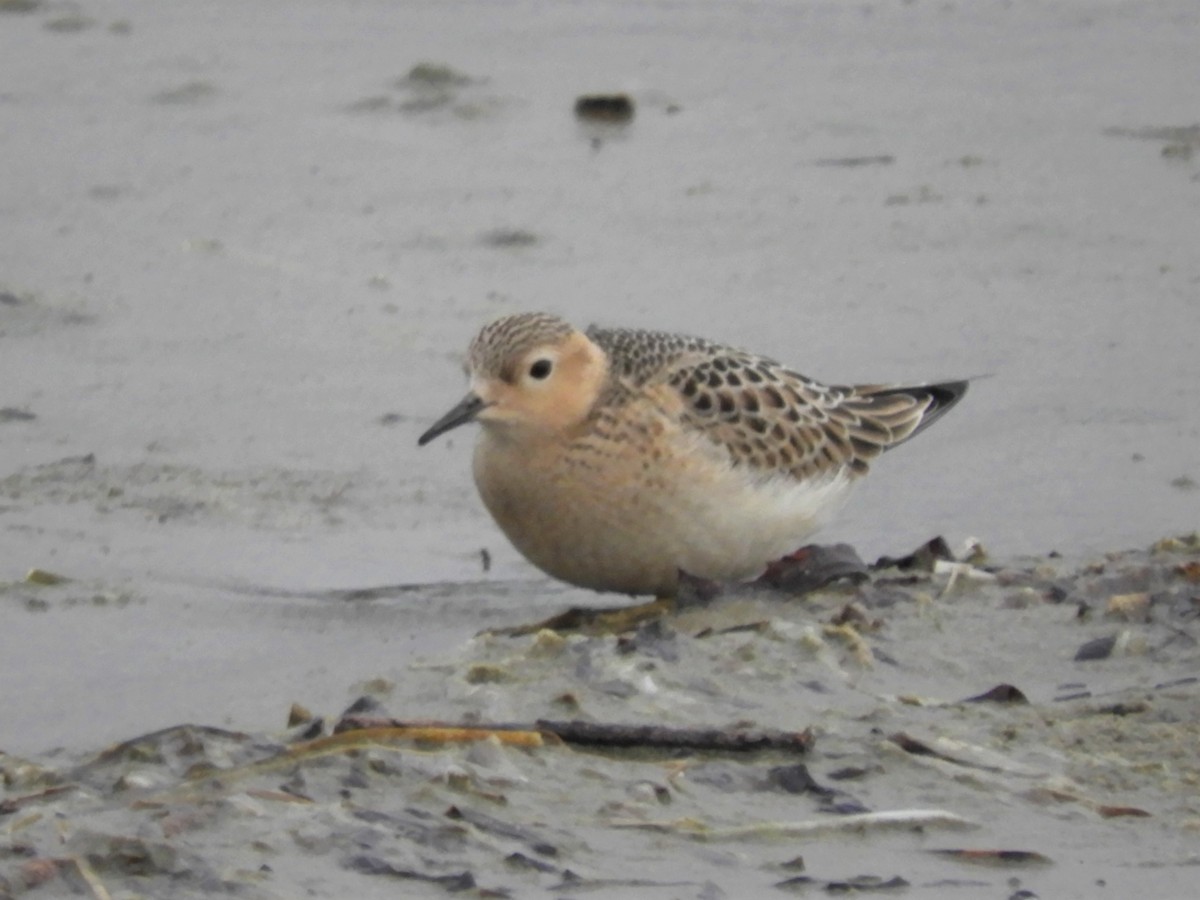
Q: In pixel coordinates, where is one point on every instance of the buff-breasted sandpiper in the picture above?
(616, 459)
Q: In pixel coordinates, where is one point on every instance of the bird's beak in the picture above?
(468, 408)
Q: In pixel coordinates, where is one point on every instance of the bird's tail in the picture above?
(939, 399)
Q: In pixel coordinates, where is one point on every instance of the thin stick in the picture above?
(88, 874)
(606, 734)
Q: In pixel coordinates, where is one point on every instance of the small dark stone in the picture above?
(847, 773)
(1100, 648)
(1124, 709)
(613, 108)
(1001, 693)
(364, 704)
(796, 779)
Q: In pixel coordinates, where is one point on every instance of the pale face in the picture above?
(550, 387)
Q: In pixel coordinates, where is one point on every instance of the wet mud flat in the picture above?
(927, 727)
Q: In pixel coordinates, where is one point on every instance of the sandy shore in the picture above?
(970, 730)
(241, 249)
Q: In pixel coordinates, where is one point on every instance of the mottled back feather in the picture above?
(767, 417)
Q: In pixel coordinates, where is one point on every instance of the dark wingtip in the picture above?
(942, 398)
(946, 394)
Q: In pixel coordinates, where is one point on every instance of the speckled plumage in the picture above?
(767, 416)
(616, 458)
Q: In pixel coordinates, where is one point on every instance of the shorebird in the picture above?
(622, 460)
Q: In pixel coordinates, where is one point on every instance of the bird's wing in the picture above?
(767, 417)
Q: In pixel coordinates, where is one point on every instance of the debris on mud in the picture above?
(612, 108)
(930, 696)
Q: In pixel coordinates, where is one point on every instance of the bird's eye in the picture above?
(540, 369)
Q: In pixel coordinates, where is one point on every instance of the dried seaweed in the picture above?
(589, 734)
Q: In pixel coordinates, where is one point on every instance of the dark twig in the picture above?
(624, 737)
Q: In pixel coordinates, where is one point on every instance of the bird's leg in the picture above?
(694, 591)
(690, 592)
(805, 570)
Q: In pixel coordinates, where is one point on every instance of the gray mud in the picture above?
(242, 248)
(963, 730)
